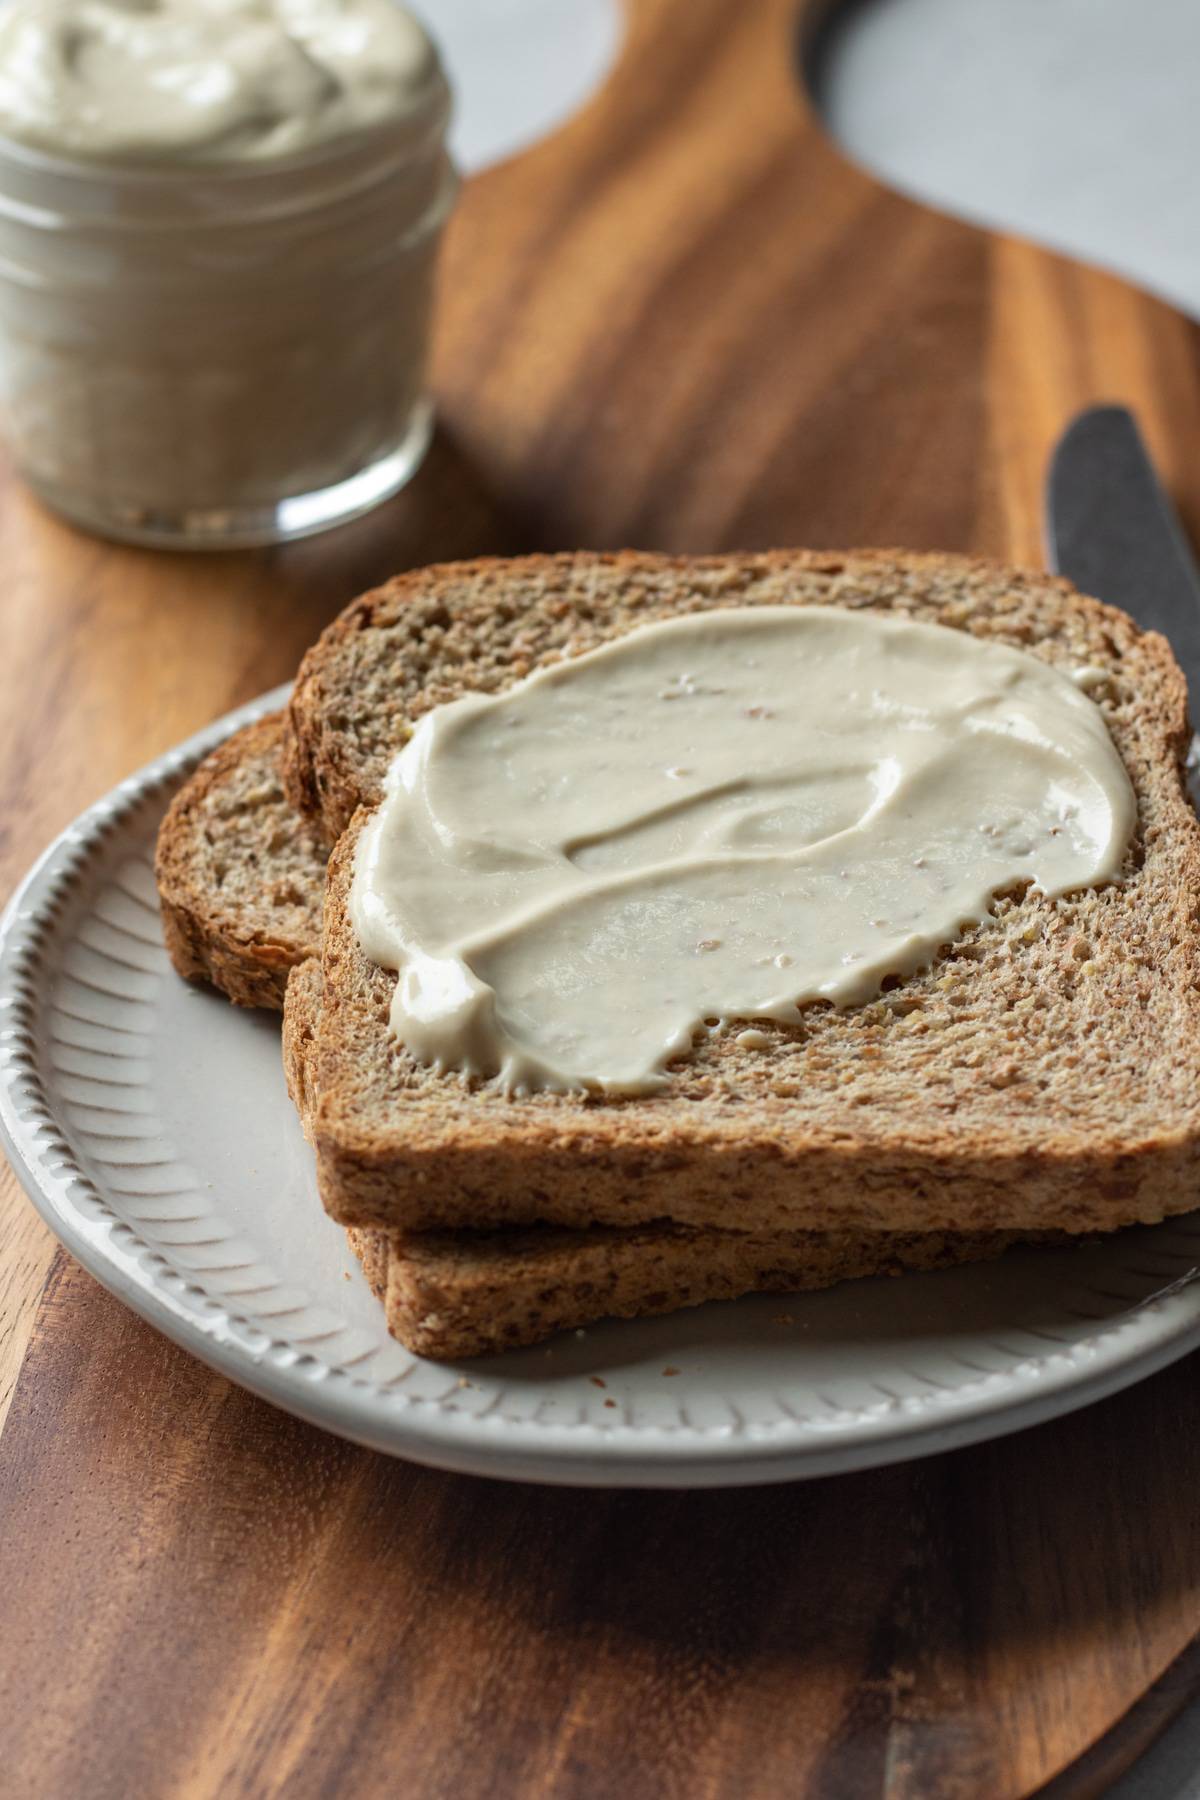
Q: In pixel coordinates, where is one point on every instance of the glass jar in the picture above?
(223, 354)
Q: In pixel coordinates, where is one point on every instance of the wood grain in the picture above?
(253, 1607)
(682, 322)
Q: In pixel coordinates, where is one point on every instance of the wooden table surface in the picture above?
(682, 322)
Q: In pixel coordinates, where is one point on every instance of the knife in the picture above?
(1111, 529)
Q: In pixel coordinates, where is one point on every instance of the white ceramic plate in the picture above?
(149, 1123)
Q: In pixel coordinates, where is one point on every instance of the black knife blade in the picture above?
(1111, 529)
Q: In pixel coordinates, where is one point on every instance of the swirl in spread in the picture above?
(727, 815)
(204, 80)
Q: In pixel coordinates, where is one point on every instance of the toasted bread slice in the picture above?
(456, 1294)
(467, 1293)
(1043, 1074)
(241, 873)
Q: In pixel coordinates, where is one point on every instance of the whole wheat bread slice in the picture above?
(468, 1293)
(241, 873)
(1043, 1074)
(458, 1294)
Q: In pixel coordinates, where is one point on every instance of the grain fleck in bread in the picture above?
(467, 1293)
(1043, 1074)
(240, 873)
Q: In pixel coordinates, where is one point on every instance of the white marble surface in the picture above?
(1074, 122)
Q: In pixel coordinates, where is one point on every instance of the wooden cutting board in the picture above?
(683, 322)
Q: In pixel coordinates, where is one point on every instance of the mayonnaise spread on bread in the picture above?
(204, 80)
(727, 815)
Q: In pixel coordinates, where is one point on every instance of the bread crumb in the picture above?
(670, 1371)
(784, 1319)
(610, 1403)
(579, 1331)
(464, 1383)
(597, 1381)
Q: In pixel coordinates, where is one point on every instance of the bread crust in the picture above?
(447, 1295)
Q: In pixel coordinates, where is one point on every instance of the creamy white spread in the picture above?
(204, 80)
(727, 815)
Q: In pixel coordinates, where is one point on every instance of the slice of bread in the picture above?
(241, 873)
(468, 1293)
(1043, 1074)
(451, 1294)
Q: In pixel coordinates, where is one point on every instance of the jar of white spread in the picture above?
(219, 221)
